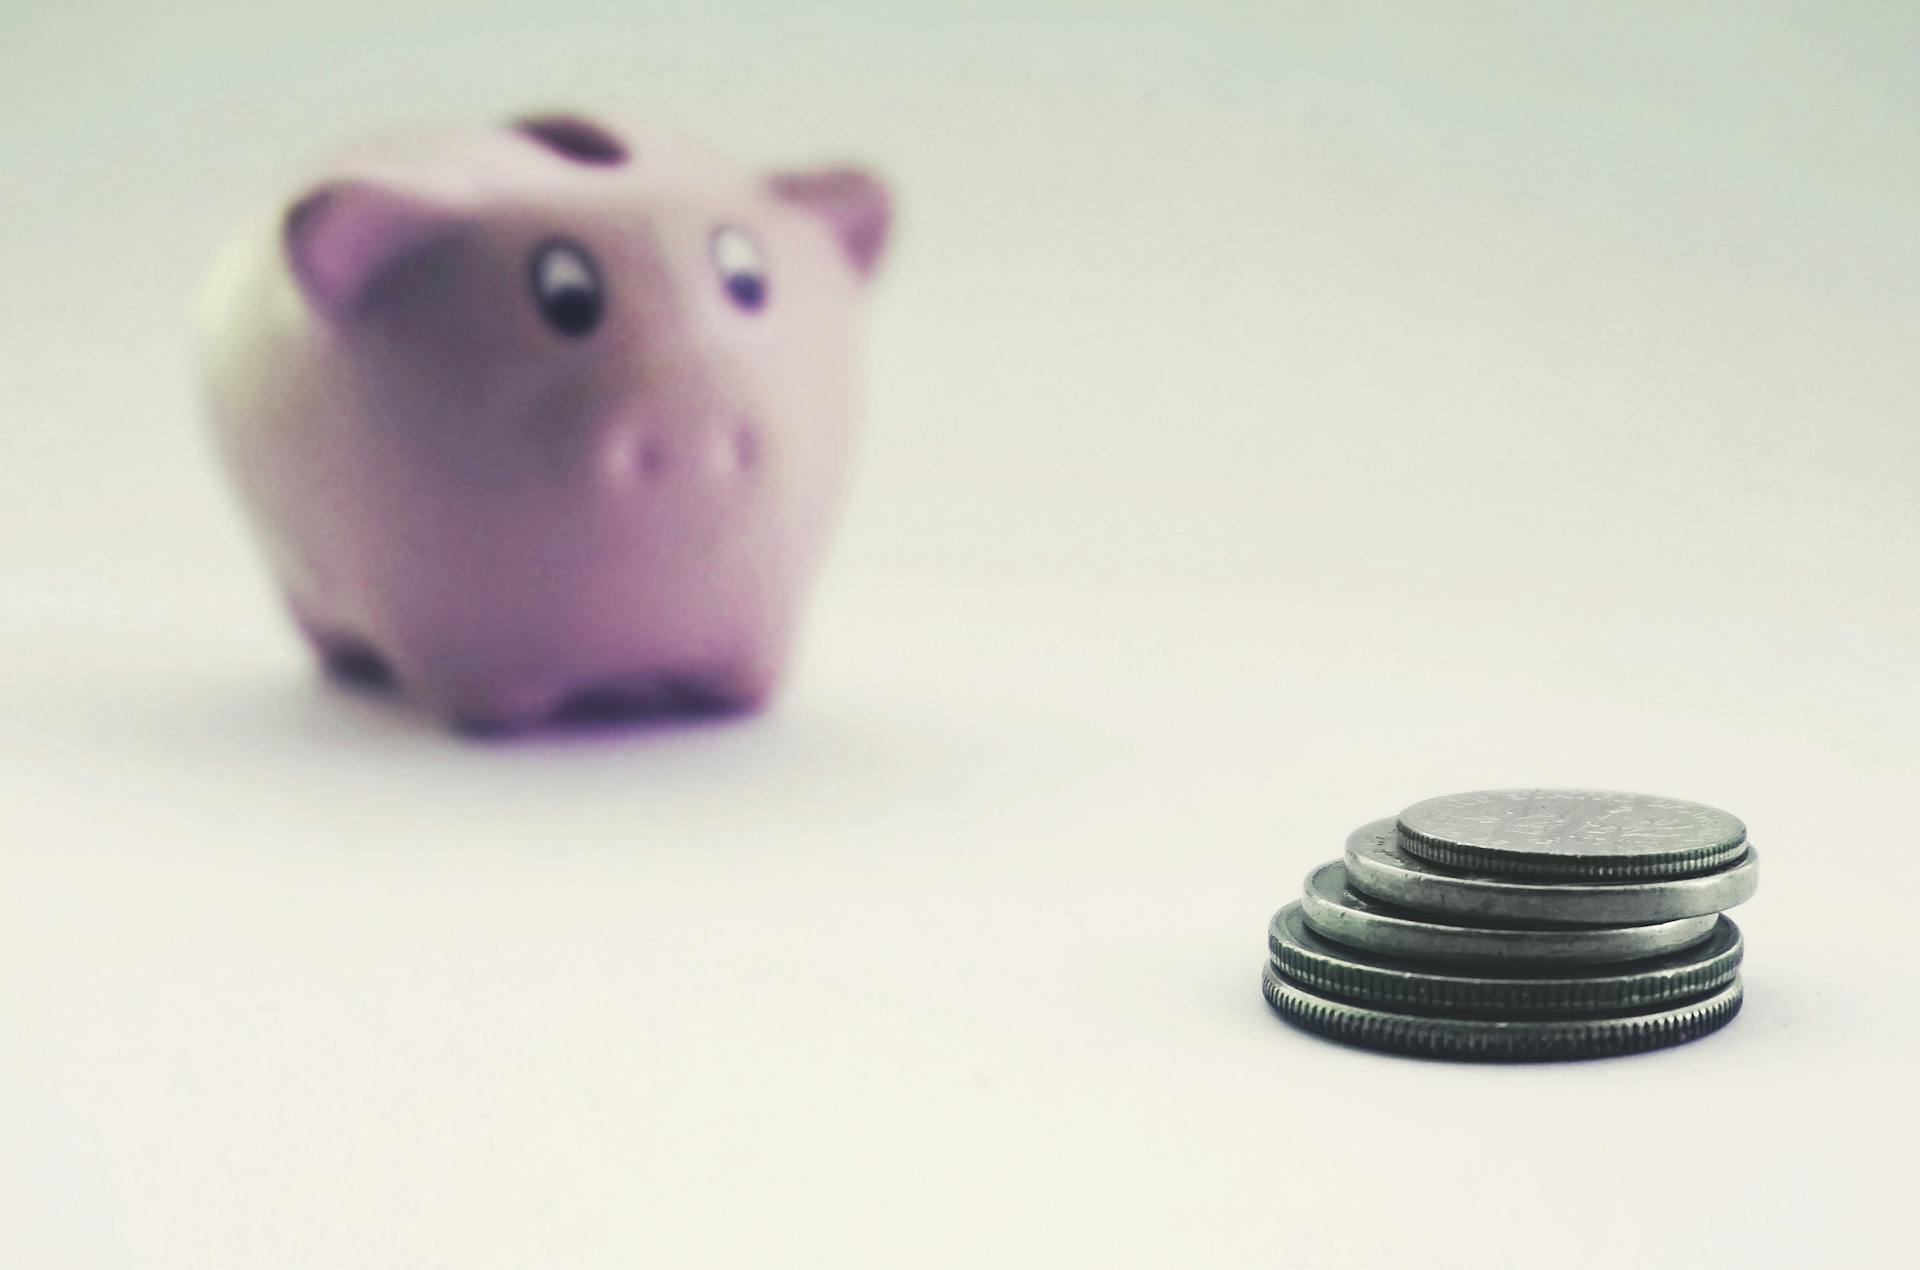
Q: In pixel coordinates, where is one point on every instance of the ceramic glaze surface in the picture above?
(530, 416)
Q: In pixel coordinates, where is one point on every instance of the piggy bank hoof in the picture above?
(670, 697)
(345, 658)
(358, 665)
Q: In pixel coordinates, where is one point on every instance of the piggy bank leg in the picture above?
(343, 657)
(742, 687)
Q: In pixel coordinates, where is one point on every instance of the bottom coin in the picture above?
(1500, 1039)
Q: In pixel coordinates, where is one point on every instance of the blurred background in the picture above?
(1279, 414)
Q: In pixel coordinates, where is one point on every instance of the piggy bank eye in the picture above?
(737, 259)
(566, 286)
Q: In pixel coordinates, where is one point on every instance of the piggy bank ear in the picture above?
(342, 237)
(853, 202)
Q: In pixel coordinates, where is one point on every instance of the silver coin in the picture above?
(1501, 1039)
(1338, 913)
(1348, 974)
(1378, 865)
(1572, 834)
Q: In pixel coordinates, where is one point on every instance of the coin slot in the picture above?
(573, 138)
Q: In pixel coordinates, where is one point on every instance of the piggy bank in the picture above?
(546, 416)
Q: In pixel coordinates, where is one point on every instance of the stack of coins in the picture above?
(1520, 924)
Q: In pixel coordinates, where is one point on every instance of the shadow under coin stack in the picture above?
(1520, 924)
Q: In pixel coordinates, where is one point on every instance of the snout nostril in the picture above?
(746, 449)
(653, 458)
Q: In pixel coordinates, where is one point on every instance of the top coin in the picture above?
(1572, 835)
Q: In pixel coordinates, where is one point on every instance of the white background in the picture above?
(1278, 416)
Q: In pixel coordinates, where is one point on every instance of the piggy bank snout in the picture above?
(633, 449)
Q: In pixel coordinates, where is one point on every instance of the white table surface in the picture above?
(1275, 420)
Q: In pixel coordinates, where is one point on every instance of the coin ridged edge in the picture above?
(1422, 988)
(1559, 868)
(1380, 930)
(1472, 897)
(1482, 1039)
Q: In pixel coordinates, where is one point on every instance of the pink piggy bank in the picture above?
(547, 417)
